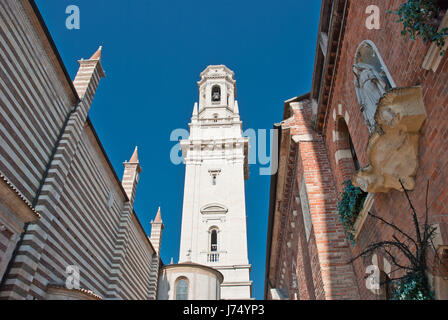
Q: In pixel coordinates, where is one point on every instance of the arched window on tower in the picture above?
(216, 93)
(182, 289)
(372, 80)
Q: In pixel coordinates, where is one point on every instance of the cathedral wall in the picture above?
(85, 219)
(27, 78)
(137, 274)
(86, 229)
(404, 61)
(80, 229)
(8, 240)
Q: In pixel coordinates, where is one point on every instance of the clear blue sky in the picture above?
(153, 52)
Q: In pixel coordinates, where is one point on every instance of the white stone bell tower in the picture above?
(214, 212)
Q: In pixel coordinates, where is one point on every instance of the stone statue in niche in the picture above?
(370, 87)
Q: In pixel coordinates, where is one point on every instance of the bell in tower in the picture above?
(216, 94)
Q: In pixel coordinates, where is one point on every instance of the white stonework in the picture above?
(216, 159)
(202, 282)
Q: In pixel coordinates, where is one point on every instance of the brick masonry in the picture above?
(326, 163)
(404, 60)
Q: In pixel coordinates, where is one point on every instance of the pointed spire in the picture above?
(171, 260)
(195, 110)
(88, 77)
(158, 218)
(131, 176)
(134, 158)
(97, 54)
(156, 231)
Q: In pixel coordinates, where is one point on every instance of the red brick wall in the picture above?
(321, 262)
(404, 61)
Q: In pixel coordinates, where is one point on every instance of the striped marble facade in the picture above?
(61, 200)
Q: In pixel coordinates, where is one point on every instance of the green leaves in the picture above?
(414, 286)
(419, 19)
(352, 202)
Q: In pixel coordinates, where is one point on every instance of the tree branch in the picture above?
(394, 227)
(414, 215)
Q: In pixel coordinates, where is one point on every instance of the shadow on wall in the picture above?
(164, 288)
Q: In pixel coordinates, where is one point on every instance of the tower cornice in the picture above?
(217, 72)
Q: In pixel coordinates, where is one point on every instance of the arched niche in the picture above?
(368, 53)
(372, 80)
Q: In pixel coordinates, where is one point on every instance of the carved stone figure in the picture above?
(370, 87)
(393, 153)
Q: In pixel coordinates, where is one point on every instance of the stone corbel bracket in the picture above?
(393, 148)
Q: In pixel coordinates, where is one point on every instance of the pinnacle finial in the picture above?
(134, 157)
(97, 54)
(195, 110)
(236, 108)
(158, 218)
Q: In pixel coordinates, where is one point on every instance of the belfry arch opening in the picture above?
(216, 93)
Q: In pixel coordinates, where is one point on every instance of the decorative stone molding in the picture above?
(343, 154)
(13, 198)
(214, 208)
(368, 203)
(59, 292)
(393, 146)
(302, 138)
(433, 58)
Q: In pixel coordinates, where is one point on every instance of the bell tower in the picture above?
(214, 229)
